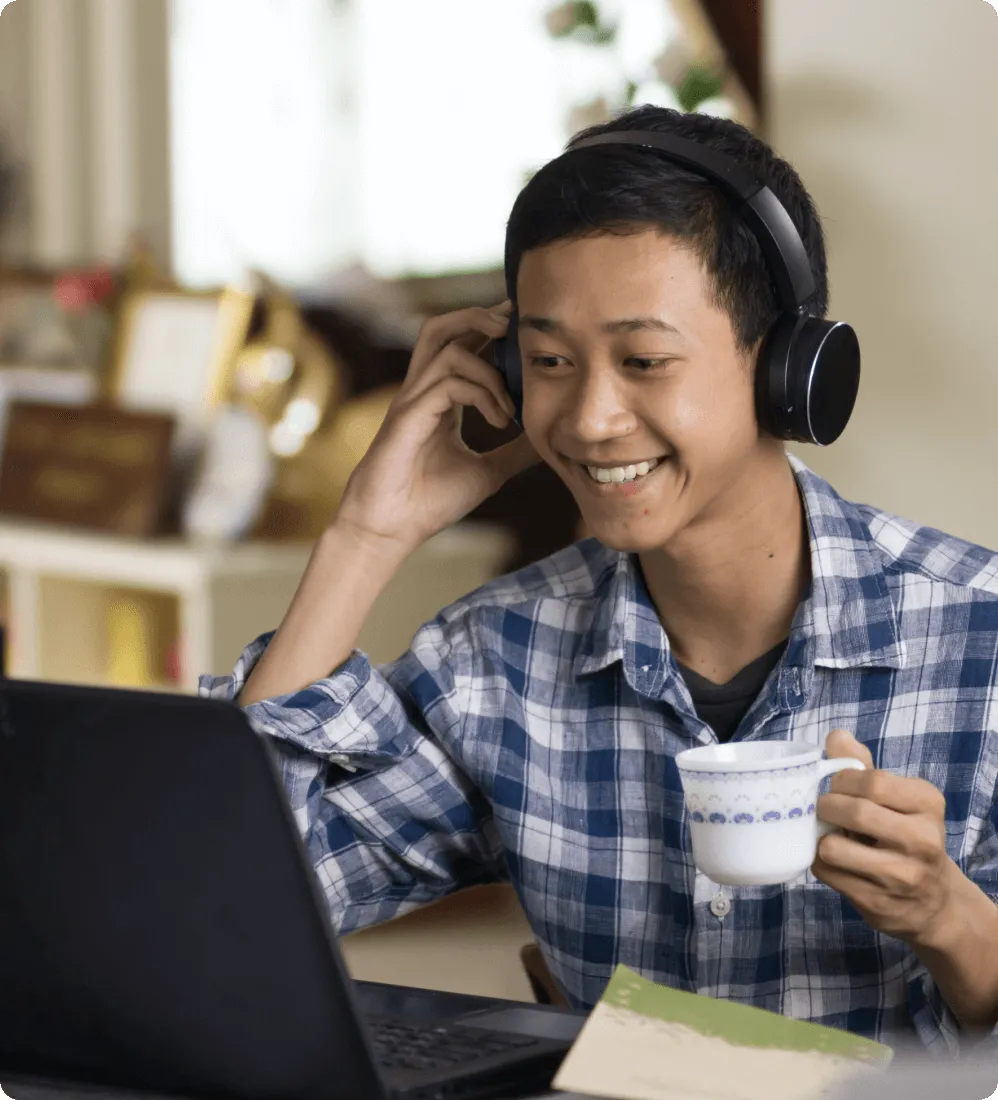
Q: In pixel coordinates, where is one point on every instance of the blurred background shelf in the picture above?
(80, 605)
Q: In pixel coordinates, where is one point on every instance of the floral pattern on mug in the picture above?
(718, 818)
(754, 798)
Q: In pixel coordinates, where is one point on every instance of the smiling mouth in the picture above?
(622, 475)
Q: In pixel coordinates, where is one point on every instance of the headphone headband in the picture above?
(765, 215)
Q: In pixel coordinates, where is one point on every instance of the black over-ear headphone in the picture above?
(807, 375)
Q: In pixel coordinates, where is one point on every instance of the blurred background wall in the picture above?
(887, 109)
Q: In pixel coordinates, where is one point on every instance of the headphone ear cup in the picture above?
(506, 355)
(807, 379)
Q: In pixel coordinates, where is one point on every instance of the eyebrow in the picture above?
(629, 324)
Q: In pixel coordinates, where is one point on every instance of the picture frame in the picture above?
(36, 331)
(172, 353)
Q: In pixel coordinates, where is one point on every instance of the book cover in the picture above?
(648, 1042)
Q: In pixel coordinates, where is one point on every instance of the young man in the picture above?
(728, 593)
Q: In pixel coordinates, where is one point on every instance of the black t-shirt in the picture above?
(723, 706)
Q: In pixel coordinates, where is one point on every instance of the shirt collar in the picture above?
(625, 627)
(847, 619)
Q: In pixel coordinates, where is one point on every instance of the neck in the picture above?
(727, 590)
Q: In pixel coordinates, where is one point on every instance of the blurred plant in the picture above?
(580, 20)
(698, 86)
(677, 76)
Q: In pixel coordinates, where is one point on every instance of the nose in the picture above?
(597, 409)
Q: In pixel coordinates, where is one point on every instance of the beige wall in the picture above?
(887, 109)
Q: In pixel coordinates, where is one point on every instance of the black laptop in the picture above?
(161, 930)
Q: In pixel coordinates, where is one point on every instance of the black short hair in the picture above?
(624, 189)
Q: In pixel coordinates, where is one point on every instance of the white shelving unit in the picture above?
(58, 585)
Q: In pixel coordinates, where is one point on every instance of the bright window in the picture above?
(309, 134)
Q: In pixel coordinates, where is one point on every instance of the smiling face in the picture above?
(635, 391)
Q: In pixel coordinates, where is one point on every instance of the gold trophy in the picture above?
(292, 382)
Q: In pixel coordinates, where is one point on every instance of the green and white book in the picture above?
(648, 1042)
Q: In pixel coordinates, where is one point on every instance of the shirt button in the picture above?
(720, 906)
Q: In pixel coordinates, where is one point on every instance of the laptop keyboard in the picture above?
(413, 1046)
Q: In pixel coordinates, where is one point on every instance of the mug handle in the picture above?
(830, 767)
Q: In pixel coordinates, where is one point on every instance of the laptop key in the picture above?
(414, 1046)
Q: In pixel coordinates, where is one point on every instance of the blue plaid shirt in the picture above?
(530, 734)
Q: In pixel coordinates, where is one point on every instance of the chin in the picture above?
(629, 540)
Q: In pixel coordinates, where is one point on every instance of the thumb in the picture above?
(509, 460)
(841, 743)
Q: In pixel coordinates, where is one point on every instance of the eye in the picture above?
(643, 364)
(546, 362)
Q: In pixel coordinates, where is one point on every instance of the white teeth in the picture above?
(619, 474)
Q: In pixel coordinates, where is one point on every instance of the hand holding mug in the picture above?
(890, 858)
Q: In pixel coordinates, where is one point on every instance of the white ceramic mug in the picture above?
(752, 809)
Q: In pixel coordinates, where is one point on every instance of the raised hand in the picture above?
(419, 476)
